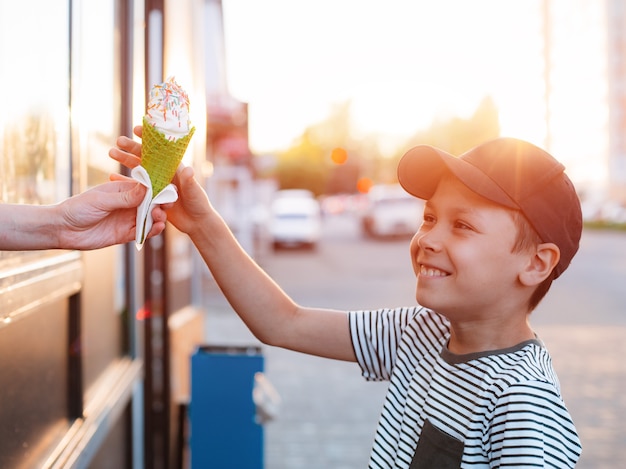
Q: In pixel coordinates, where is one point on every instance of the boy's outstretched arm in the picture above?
(270, 314)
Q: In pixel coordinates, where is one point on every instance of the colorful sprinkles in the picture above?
(170, 102)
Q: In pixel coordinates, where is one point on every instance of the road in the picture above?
(328, 413)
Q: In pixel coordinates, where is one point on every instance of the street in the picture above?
(329, 413)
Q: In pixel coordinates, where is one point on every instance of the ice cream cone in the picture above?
(160, 157)
(167, 131)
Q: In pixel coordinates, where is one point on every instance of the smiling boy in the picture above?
(470, 383)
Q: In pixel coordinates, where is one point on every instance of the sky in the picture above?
(401, 63)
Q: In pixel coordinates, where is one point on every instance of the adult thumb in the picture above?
(133, 197)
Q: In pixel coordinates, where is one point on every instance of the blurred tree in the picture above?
(327, 158)
(302, 166)
(457, 135)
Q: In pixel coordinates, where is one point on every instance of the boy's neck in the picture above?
(471, 338)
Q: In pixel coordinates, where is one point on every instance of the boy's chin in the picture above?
(430, 301)
(423, 300)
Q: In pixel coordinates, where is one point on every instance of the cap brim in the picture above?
(422, 167)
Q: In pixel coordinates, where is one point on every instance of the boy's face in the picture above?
(462, 254)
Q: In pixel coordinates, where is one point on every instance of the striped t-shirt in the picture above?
(494, 409)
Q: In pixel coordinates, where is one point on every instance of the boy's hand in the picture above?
(192, 208)
(128, 152)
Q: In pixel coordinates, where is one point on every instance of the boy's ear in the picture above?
(540, 264)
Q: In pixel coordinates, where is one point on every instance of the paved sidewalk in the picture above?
(591, 365)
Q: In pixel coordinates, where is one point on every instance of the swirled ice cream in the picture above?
(168, 109)
(166, 133)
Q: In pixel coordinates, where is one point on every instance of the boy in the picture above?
(470, 383)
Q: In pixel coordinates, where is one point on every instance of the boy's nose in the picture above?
(422, 241)
(428, 240)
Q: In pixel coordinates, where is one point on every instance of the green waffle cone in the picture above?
(160, 157)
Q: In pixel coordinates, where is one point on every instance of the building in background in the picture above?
(585, 76)
(616, 70)
(229, 160)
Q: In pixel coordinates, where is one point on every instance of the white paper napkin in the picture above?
(144, 211)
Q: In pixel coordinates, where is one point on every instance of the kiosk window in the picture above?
(34, 169)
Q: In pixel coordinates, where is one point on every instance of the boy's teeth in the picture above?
(430, 272)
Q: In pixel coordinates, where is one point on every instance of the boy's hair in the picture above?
(510, 172)
(527, 239)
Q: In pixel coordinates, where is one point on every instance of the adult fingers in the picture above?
(120, 177)
(118, 184)
(128, 194)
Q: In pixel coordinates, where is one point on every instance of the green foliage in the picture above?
(308, 164)
(605, 225)
(457, 135)
(302, 166)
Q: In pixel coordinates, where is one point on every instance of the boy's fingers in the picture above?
(158, 214)
(123, 157)
(185, 174)
(157, 227)
(167, 206)
(129, 145)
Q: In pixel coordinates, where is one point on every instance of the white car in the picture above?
(295, 219)
(391, 212)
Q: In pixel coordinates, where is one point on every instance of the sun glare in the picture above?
(402, 64)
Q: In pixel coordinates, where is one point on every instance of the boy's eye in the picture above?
(462, 225)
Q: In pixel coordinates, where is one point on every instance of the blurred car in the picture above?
(295, 219)
(391, 212)
(294, 194)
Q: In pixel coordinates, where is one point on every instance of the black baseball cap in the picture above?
(509, 172)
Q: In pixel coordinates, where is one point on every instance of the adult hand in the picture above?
(104, 215)
(99, 217)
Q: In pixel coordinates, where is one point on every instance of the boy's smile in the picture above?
(429, 271)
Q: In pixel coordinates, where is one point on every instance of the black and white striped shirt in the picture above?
(494, 409)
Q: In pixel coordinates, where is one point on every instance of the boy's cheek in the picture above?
(414, 249)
